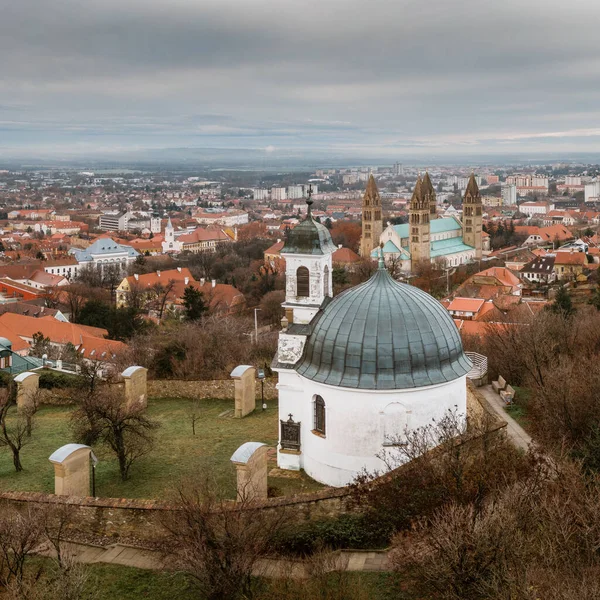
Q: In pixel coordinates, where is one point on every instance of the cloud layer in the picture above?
(378, 78)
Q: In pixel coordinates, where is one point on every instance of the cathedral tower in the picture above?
(472, 216)
(430, 196)
(419, 224)
(372, 222)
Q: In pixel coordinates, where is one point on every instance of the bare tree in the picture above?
(105, 417)
(194, 412)
(15, 429)
(218, 543)
(20, 534)
(161, 296)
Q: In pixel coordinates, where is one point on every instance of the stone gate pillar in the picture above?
(250, 461)
(72, 470)
(245, 390)
(136, 386)
(28, 384)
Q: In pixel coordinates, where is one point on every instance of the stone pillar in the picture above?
(245, 390)
(136, 386)
(28, 384)
(250, 461)
(72, 470)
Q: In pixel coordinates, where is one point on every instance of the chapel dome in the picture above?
(383, 335)
(309, 237)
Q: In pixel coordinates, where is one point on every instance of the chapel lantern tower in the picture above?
(307, 251)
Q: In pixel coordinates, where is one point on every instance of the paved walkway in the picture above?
(517, 434)
(131, 556)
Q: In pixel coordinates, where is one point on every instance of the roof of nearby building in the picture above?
(383, 335)
(275, 248)
(201, 234)
(436, 226)
(570, 258)
(450, 246)
(103, 245)
(58, 332)
(542, 265)
(345, 255)
(466, 304)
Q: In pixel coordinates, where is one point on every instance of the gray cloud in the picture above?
(340, 74)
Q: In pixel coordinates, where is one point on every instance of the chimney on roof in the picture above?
(278, 240)
(136, 276)
(186, 280)
(158, 273)
(339, 246)
(214, 282)
(202, 281)
(179, 269)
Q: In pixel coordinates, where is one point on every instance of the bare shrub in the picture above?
(217, 543)
(104, 416)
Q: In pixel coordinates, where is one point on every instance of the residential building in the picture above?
(568, 265)
(103, 252)
(533, 209)
(509, 194)
(592, 192)
(540, 270)
(220, 298)
(278, 193)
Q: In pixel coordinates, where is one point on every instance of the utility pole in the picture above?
(256, 325)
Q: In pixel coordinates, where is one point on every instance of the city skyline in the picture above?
(390, 79)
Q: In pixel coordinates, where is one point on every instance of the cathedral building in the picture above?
(359, 371)
(372, 222)
(427, 237)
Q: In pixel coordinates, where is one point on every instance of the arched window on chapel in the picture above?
(319, 422)
(302, 282)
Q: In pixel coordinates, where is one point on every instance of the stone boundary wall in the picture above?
(136, 521)
(170, 388)
(216, 388)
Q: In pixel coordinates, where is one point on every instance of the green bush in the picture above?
(346, 531)
(53, 379)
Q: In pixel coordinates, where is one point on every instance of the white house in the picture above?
(103, 252)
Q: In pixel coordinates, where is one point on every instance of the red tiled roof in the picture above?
(345, 255)
(466, 304)
(570, 258)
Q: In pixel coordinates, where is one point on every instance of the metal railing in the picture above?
(480, 365)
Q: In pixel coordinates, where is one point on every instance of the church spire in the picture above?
(472, 190)
(372, 222)
(473, 217)
(429, 193)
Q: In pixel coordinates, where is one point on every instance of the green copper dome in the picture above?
(383, 335)
(309, 237)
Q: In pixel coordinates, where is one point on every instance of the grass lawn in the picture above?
(177, 454)
(127, 583)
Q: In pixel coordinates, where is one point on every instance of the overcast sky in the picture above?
(366, 77)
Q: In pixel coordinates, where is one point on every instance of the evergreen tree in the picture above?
(563, 304)
(193, 301)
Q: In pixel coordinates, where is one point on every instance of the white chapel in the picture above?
(359, 369)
